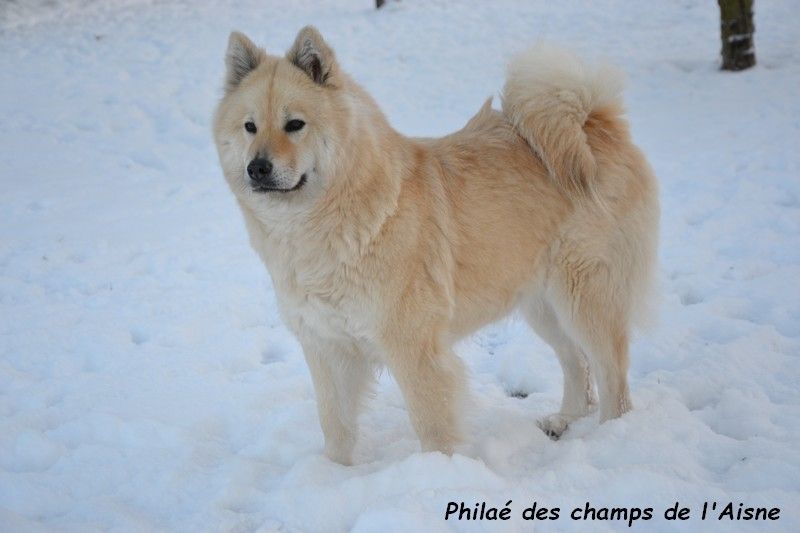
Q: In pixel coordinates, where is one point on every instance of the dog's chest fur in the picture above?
(317, 294)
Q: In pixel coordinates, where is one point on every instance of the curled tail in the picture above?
(549, 95)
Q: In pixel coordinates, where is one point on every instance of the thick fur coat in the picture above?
(385, 250)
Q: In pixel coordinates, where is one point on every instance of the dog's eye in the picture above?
(294, 125)
(250, 127)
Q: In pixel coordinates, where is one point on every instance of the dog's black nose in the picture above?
(259, 170)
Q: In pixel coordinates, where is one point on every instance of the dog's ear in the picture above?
(241, 58)
(313, 56)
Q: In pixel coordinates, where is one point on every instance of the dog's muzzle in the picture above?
(260, 171)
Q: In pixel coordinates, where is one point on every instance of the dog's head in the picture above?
(282, 120)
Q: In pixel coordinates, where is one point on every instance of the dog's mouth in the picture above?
(261, 188)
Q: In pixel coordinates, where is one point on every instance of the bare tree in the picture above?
(738, 52)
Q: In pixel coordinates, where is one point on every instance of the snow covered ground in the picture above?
(146, 382)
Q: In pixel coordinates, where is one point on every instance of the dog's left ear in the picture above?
(312, 54)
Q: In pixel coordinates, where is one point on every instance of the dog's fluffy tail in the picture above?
(548, 96)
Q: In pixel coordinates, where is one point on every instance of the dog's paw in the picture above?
(554, 425)
(338, 455)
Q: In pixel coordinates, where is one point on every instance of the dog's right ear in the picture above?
(241, 58)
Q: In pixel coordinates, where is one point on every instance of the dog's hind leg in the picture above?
(341, 375)
(591, 303)
(578, 399)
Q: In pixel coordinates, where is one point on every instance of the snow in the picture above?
(147, 383)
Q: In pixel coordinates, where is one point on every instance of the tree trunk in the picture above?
(737, 30)
(379, 3)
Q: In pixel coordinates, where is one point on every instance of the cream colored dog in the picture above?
(385, 249)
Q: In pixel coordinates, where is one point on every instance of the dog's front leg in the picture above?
(432, 380)
(341, 375)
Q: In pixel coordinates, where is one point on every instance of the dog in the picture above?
(385, 250)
